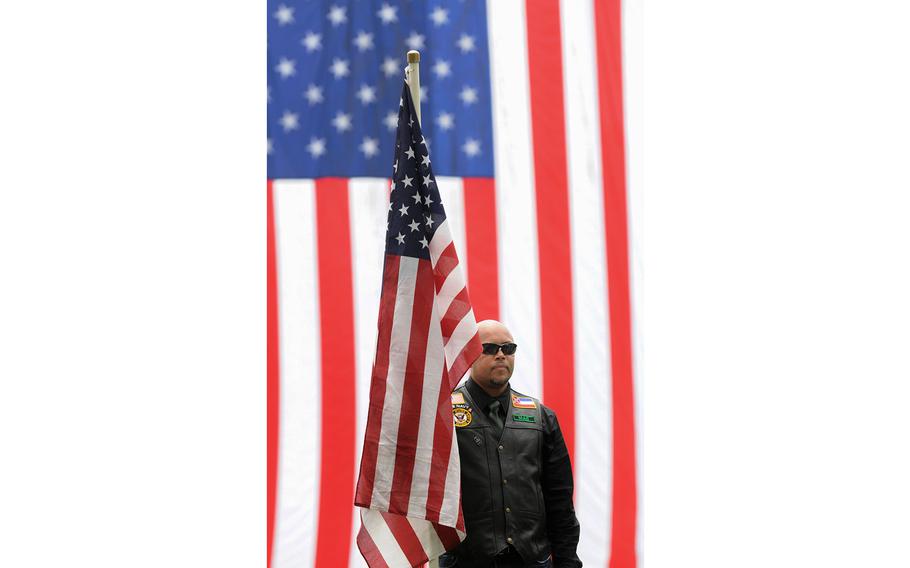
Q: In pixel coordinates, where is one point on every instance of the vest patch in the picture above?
(457, 398)
(523, 402)
(462, 415)
(523, 418)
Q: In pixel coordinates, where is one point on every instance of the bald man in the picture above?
(516, 479)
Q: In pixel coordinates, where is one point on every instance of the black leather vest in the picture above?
(501, 495)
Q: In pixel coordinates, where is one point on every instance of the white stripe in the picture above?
(440, 241)
(593, 405)
(432, 381)
(464, 331)
(519, 284)
(369, 202)
(451, 497)
(427, 536)
(398, 361)
(383, 539)
(297, 499)
(451, 191)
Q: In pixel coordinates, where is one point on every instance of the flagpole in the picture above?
(412, 74)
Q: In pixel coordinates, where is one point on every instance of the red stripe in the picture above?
(272, 370)
(378, 382)
(481, 241)
(607, 17)
(458, 309)
(448, 536)
(407, 538)
(336, 311)
(369, 550)
(464, 360)
(412, 396)
(442, 446)
(553, 236)
(445, 264)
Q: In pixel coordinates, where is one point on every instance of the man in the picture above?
(516, 479)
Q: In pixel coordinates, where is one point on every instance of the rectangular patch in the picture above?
(523, 418)
(523, 402)
(457, 398)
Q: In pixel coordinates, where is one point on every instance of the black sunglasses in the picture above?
(493, 348)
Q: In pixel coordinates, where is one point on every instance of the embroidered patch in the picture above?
(523, 418)
(457, 398)
(462, 416)
(523, 402)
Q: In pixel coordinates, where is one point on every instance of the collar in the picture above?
(483, 400)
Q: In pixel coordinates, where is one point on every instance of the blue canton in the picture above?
(334, 69)
(415, 209)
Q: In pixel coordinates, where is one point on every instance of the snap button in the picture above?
(500, 448)
(504, 481)
(509, 540)
(508, 510)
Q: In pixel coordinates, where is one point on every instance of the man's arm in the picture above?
(562, 525)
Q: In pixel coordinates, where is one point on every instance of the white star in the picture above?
(316, 147)
(391, 189)
(369, 147)
(442, 68)
(342, 122)
(389, 67)
(424, 93)
(416, 197)
(400, 239)
(429, 220)
(285, 67)
(391, 120)
(414, 225)
(423, 141)
(313, 94)
(407, 181)
(390, 210)
(337, 15)
(339, 68)
(445, 121)
(424, 242)
(414, 41)
(427, 200)
(364, 41)
(465, 43)
(403, 210)
(289, 121)
(439, 16)
(471, 147)
(312, 41)
(268, 94)
(366, 94)
(284, 15)
(468, 95)
(387, 14)
(268, 146)
(395, 169)
(410, 152)
(427, 181)
(426, 160)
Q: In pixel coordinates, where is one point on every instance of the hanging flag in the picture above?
(521, 106)
(410, 480)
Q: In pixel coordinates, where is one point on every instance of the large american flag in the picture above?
(410, 479)
(522, 110)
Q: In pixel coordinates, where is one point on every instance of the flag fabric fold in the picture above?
(409, 486)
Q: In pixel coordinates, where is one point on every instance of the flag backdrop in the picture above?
(522, 111)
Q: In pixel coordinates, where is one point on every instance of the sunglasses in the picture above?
(493, 348)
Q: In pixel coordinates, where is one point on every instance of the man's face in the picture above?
(493, 371)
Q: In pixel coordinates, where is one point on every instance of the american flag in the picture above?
(410, 480)
(522, 110)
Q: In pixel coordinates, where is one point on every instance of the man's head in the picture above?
(492, 372)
